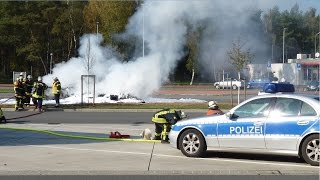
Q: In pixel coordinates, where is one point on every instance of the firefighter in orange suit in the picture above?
(213, 108)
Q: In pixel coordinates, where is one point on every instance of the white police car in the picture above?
(278, 123)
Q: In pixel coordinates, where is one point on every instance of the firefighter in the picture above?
(39, 93)
(28, 85)
(163, 121)
(19, 93)
(2, 117)
(56, 90)
(213, 108)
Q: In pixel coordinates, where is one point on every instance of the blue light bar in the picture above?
(278, 87)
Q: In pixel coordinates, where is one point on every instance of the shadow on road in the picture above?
(259, 157)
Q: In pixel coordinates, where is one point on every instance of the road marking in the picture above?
(94, 150)
(237, 161)
(182, 157)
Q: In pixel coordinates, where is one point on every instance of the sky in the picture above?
(287, 4)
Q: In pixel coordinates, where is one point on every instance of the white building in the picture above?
(298, 71)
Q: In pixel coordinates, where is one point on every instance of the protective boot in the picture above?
(156, 138)
(3, 120)
(165, 140)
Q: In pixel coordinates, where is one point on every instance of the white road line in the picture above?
(182, 157)
(238, 161)
(94, 150)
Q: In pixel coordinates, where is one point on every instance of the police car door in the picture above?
(245, 126)
(289, 119)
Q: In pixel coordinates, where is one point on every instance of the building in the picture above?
(297, 71)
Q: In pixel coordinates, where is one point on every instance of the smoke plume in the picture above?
(162, 26)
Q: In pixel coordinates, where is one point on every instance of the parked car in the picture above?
(257, 83)
(274, 123)
(313, 86)
(228, 83)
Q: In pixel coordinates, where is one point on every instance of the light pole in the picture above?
(315, 43)
(97, 27)
(51, 54)
(142, 30)
(284, 33)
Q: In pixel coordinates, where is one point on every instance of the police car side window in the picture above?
(287, 107)
(307, 110)
(254, 109)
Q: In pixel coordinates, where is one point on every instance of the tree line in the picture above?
(32, 33)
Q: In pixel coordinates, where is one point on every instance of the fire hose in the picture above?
(76, 136)
(114, 136)
(19, 116)
(7, 99)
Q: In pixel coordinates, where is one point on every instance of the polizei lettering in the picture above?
(246, 130)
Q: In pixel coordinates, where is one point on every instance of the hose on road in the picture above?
(7, 99)
(76, 136)
(20, 117)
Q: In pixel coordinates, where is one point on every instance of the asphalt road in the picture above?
(142, 120)
(47, 154)
(57, 117)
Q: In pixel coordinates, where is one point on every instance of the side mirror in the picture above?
(229, 115)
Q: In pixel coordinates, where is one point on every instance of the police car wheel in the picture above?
(311, 150)
(192, 144)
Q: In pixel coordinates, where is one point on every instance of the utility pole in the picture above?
(97, 27)
(283, 42)
(51, 54)
(142, 30)
(315, 43)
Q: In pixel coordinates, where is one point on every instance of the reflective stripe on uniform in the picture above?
(56, 86)
(157, 117)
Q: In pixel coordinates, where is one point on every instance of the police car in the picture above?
(273, 123)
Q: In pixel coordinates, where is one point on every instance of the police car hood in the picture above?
(212, 119)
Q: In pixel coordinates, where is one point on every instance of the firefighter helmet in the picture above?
(212, 104)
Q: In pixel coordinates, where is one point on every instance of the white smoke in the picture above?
(164, 32)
